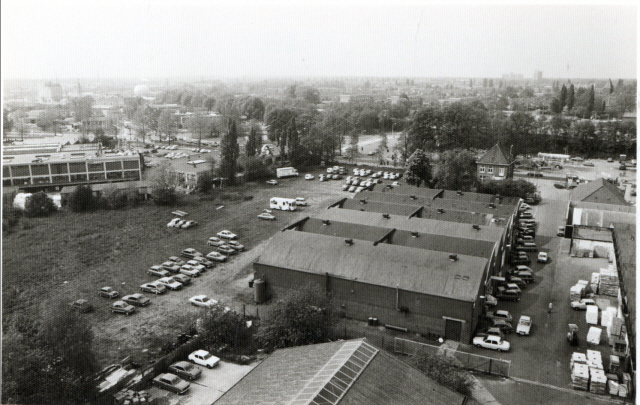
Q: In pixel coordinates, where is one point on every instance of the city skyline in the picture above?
(194, 39)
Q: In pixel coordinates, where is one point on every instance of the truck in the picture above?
(284, 204)
(286, 172)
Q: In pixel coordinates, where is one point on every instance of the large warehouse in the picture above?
(425, 291)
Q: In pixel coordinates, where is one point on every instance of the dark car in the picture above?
(190, 253)
(182, 279)
(171, 266)
(507, 295)
(137, 300)
(517, 260)
(108, 292)
(171, 382)
(121, 307)
(153, 288)
(185, 370)
(81, 306)
(227, 250)
(492, 331)
(504, 326)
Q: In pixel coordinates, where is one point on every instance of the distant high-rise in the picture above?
(50, 93)
(512, 76)
(537, 75)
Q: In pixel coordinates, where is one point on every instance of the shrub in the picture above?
(39, 205)
(165, 196)
(444, 370)
(82, 199)
(114, 198)
(205, 182)
(10, 217)
(255, 169)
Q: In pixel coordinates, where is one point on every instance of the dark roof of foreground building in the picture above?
(343, 372)
(464, 217)
(381, 207)
(423, 271)
(496, 156)
(598, 191)
(442, 243)
(343, 229)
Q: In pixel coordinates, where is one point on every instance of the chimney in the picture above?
(387, 216)
(363, 201)
(348, 241)
(440, 211)
(325, 222)
(413, 197)
(414, 234)
(459, 192)
(476, 227)
(453, 258)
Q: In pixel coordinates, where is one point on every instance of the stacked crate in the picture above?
(129, 397)
(598, 383)
(594, 359)
(608, 284)
(580, 377)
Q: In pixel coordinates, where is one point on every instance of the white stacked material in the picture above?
(576, 293)
(598, 381)
(593, 336)
(580, 377)
(614, 330)
(592, 314)
(614, 364)
(594, 355)
(606, 319)
(623, 389)
(595, 280)
(613, 387)
(609, 284)
(578, 358)
(585, 284)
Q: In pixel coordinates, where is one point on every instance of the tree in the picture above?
(383, 147)
(293, 143)
(20, 122)
(571, 97)
(456, 170)
(209, 103)
(7, 124)
(251, 147)
(508, 188)
(444, 370)
(352, 150)
(165, 182)
(592, 100)
(309, 94)
(218, 327)
(611, 88)
(48, 119)
(277, 120)
(82, 199)
(199, 125)
(255, 168)
(82, 110)
(114, 198)
(302, 317)
(229, 154)
(205, 182)
(419, 169)
(166, 125)
(39, 205)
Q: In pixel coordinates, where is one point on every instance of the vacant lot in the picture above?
(70, 256)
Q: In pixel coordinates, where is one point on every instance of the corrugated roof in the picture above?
(422, 225)
(424, 271)
(498, 210)
(464, 217)
(496, 156)
(394, 198)
(442, 243)
(384, 380)
(380, 207)
(585, 190)
(344, 229)
(480, 197)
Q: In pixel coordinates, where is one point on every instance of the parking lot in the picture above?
(208, 387)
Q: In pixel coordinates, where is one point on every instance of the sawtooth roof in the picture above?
(380, 207)
(423, 271)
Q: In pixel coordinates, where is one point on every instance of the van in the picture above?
(527, 247)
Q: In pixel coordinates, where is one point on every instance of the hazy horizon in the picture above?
(193, 39)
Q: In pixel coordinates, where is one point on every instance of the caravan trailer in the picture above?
(284, 204)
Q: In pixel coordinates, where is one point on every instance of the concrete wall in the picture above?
(360, 301)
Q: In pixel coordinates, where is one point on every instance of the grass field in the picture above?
(71, 255)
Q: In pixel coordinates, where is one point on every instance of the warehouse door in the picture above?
(453, 330)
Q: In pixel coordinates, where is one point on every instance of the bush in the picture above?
(255, 169)
(82, 199)
(508, 188)
(444, 370)
(165, 195)
(39, 205)
(10, 217)
(114, 198)
(205, 182)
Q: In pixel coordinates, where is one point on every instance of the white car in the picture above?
(213, 241)
(301, 201)
(227, 235)
(582, 304)
(543, 257)
(235, 246)
(173, 222)
(395, 184)
(272, 182)
(202, 301)
(267, 216)
(217, 256)
(524, 325)
(308, 176)
(170, 283)
(189, 271)
(492, 342)
(197, 265)
(204, 358)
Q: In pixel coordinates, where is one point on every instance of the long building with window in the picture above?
(56, 170)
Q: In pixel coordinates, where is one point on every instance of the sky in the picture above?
(163, 39)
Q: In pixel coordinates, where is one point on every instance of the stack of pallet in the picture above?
(609, 284)
(580, 377)
(623, 387)
(578, 358)
(129, 397)
(576, 293)
(594, 359)
(593, 336)
(595, 280)
(598, 384)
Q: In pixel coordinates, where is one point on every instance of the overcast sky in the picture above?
(67, 39)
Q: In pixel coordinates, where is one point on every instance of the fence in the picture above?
(468, 361)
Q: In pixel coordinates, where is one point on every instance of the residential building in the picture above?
(496, 164)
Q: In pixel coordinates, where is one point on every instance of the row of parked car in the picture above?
(179, 372)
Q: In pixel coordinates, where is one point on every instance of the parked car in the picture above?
(610, 160)
(524, 326)
(216, 256)
(186, 370)
(543, 257)
(227, 235)
(266, 216)
(490, 300)
(204, 358)
(171, 266)
(176, 260)
(345, 187)
(158, 271)
(190, 253)
(518, 260)
(582, 304)
(196, 265)
(82, 306)
(587, 164)
(301, 202)
(560, 231)
(189, 271)
(352, 189)
(170, 284)
(507, 294)
(491, 331)
(504, 326)
(235, 246)
(526, 276)
(500, 314)
(512, 286)
(527, 247)
(213, 241)
(181, 278)
(121, 307)
(526, 215)
(171, 382)
(308, 176)
(492, 342)
(108, 292)
(227, 250)
(154, 287)
(137, 300)
(202, 301)
(272, 182)
(202, 261)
